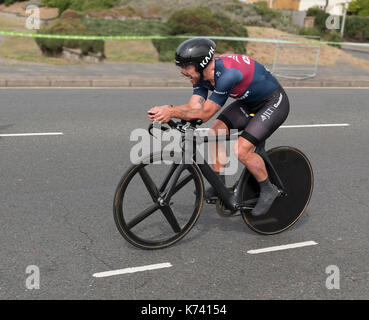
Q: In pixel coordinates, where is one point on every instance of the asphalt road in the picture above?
(358, 54)
(56, 199)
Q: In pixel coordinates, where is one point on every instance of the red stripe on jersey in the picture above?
(245, 65)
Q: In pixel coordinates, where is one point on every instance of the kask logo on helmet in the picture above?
(206, 60)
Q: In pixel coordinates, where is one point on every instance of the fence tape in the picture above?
(79, 37)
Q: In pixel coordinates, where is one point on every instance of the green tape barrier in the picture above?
(78, 37)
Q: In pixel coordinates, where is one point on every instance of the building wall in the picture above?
(279, 4)
(306, 4)
(286, 4)
(298, 17)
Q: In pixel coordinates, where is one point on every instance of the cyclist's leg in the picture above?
(235, 116)
(217, 149)
(272, 113)
(218, 155)
(222, 126)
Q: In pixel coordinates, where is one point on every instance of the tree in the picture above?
(359, 7)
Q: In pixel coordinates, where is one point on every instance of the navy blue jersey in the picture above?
(239, 77)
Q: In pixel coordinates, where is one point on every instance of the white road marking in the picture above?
(132, 270)
(283, 247)
(323, 88)
(317, 125)
(204, 130)
(31, 134)
(164, 88)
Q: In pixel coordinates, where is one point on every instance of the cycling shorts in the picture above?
(268, 116)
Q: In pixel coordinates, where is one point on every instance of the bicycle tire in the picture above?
(124, 223)
(295, 172)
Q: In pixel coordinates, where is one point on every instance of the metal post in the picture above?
(344, 18)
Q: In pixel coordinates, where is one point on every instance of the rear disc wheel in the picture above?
(296, 174)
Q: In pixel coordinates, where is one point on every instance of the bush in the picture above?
(82, 5)
(320, 28)
(72, 22)
(357, 28)
(268, 14)
(200, 21)
(71, 25)
(270, 18)
(310, 31)
(62, 5)
(333, 36)
(359, 7)
(320, 18)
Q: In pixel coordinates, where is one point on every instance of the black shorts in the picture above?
(269, 115)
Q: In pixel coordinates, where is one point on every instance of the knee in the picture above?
(243, 149)
(218, 128)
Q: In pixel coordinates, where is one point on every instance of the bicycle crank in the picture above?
(223, 211)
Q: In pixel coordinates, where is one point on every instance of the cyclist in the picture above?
(255, 90)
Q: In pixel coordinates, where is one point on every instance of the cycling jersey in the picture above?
(239, 77)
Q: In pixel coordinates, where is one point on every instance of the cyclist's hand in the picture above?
(160, 113)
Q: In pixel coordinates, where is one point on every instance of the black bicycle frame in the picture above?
(231, 200)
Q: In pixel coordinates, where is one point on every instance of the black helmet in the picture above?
(196, 51)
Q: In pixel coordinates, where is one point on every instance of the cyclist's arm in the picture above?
(204, 108)
(198, 107)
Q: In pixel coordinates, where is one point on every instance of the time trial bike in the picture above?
(158, 200)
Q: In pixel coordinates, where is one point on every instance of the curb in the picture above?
(124, 83)
(90, 83)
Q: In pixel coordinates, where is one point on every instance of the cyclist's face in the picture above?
(190, 73)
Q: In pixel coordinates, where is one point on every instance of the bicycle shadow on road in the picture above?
(211, 222)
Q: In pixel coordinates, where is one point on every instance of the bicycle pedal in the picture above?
(247, 205)
(211, 200)
(246, 208)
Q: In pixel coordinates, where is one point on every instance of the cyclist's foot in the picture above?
(210, 192)
(268, 193)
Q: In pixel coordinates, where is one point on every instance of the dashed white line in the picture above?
(31, 134)
(283, 247)
(317, 125)
(166, 88)
(132, 270)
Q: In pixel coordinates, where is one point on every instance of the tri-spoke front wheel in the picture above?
(141, 215)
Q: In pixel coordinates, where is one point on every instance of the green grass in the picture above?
(130, 51)
(12, 24)
(19, 48)
(25, 49)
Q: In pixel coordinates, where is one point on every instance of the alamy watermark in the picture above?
(33, 279)
(172, 143)
(33, 21)
(332, 22)
(333, 280)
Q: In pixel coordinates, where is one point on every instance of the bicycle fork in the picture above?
(169, 185)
